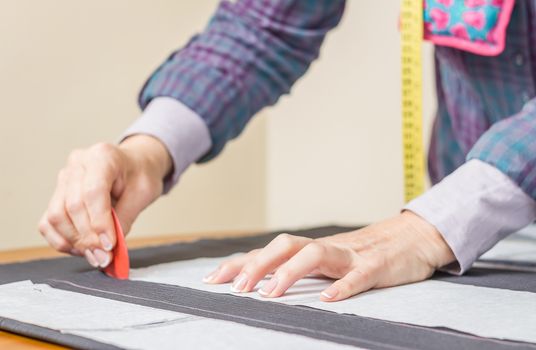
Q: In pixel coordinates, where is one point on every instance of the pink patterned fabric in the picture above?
(477, 26)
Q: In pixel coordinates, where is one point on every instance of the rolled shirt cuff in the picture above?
(181, 130)
(473, 209)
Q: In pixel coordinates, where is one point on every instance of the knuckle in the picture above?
(103, 148)
(74, 205)
(106, 154)
(316, 248)
(55, 217)
(286, 240)
(94, 191)
(253, 252)
(366, 274)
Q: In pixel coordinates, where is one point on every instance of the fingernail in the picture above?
(268, 287)
(105, 241)
(240, 283)
(102, 257)
(91, 258)
(208, 278)
(330, 293)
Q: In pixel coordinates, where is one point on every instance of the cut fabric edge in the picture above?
(50, 335)
(194, 302)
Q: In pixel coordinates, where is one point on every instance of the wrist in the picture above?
(435, 250)
(149, 153)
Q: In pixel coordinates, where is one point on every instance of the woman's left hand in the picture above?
(397, 251)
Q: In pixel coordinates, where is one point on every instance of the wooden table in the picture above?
(16, 342)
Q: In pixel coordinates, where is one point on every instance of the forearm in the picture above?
(510, 146)
(249, 55)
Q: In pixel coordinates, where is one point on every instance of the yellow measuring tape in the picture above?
(411, 28)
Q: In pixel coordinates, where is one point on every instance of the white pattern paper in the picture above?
(133, 326)
(486, 312)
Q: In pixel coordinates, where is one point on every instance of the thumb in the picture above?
(128, 207)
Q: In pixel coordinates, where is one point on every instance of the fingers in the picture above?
(229, 269)
(80, 209)
(76, 210)
(274, 254)
(53, 238)
(329, 259)
(94, 179)
(96, 188)
(296, 257)
(293, 258)
(355, 282)
(278, 251)
(86, 239)
(91, 258)
(386, 254)
(56, 215)
(249, 269)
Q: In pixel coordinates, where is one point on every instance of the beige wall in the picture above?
(334, 152)
(70, 72)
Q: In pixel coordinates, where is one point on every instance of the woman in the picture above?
(482, 159)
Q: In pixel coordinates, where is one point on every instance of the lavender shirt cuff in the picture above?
(474, 208)
(181, 130)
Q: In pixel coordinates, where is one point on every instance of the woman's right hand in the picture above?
(128, 177)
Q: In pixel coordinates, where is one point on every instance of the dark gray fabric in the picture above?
(52, 336)
(74, 273)
(527, 265)
(513, 280)
(49, 268)
(46, 268)
(314, 323)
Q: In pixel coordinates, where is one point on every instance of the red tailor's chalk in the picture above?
(120, 266)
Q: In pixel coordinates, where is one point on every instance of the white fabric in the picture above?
(133, 326)
(486, 312)
(519, 247)
(209, 334)
(57, 309)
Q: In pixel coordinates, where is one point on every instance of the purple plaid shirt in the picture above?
(252, 52)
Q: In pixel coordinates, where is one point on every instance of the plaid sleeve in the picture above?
(250, 54)
(510, 146)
